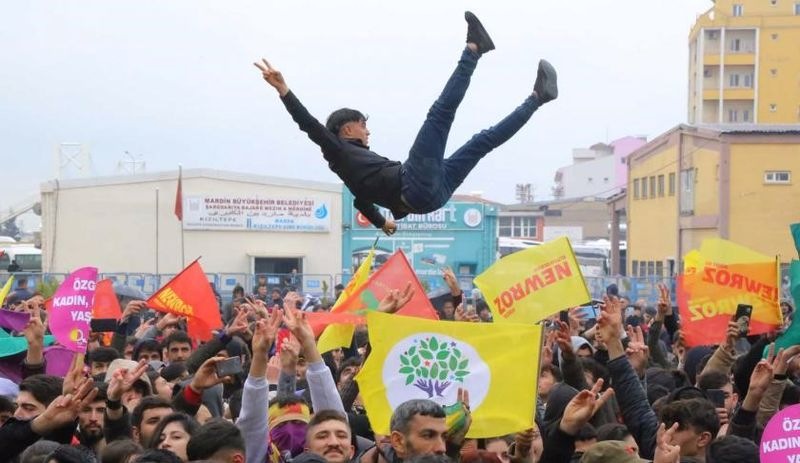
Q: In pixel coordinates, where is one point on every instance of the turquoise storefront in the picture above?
(461, 235)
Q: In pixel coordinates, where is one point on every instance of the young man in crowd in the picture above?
(426, 180)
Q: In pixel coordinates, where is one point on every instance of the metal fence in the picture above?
(322, 285)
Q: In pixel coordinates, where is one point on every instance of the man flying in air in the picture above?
(426, 180)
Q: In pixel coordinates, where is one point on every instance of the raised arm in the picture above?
(318, 133)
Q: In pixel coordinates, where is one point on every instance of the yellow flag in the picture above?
(414, 358)
(6, 289)
(530, 285)
(341, 334)
(716, 279)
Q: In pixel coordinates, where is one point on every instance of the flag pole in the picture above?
(183, 246)
(156, 231)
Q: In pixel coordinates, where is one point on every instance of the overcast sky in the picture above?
(173, 81)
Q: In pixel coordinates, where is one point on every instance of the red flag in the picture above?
(396, 273)
(189, 294)
(106, 304)
(179, 198)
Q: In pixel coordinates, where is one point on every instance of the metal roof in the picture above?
(188, 174)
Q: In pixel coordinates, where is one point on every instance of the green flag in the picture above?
(791, 336)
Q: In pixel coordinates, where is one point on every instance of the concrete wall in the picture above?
(111, 223)
(760, 213)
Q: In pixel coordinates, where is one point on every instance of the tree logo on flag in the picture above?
(433, 365)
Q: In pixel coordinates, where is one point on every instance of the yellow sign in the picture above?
(530, 285)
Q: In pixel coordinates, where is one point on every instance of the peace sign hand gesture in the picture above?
(272, 76)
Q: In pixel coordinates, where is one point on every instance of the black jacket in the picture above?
(373, 179)
(16, 435)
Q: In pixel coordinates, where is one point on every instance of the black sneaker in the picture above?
(546, 86)
(477, 34)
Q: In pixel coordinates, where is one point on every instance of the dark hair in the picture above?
(44, 388)
(553, 370)
(38, 452)
(103, 354)
(597, 369)
(612, 431)
(348, 362)
(6, 404)
(407, 410)
(102, 391)
(177, 337)
(326, 415)
(587, 432)
(699, 414)
(72, 454)
(655, 392)
(340, 117)
(238, 289)
(791, 395)
(118, 451)
(190, 425)
(235, 404)
(173, 371)
(158, 456)
(215, 435)
(284, 400)
(147, 345)
(147, 403)
(712, 380)
(732, 449)
(701, 365)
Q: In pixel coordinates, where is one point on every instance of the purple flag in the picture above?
(14, 321)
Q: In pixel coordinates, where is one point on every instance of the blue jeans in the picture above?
(429, 180)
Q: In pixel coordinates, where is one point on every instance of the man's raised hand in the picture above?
(389, 227)
(582, 407)
(395, 299)
(123, 380)
(272, 76)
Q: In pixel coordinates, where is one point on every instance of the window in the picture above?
(797, 9)
(644, 187)
(659, 268)
(774, 36)
(773, 72)
(746, 115)
(748, 80)
(733, 115)
(707, 73)
(635, 268)
(672, 184)
(687, 191)
(778, 176)
(733, 80)
(738, 9)
(712, 35)
(660, 186)
(773, 107)
(518, 227)
(605, 179)
(736, 44)
(636, 188)
(653, 187)
(505, 226)
(651, 268)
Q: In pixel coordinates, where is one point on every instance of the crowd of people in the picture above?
(618, 387)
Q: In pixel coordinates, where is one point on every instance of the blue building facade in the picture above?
(461, 235)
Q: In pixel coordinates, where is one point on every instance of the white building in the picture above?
(238, 223)
(598, 171)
